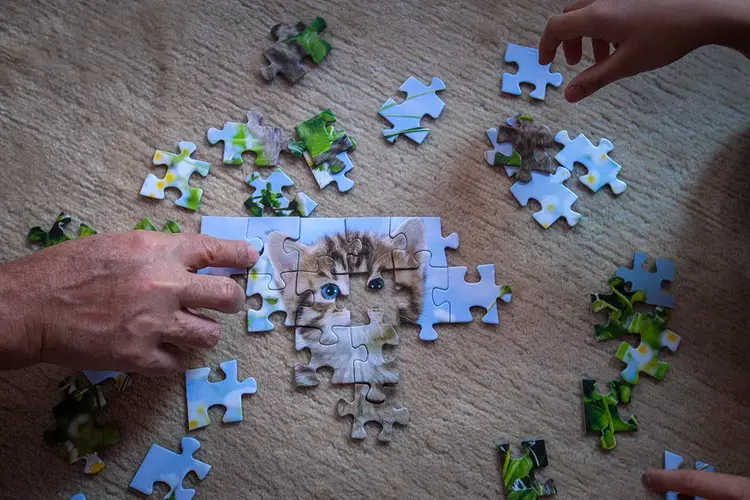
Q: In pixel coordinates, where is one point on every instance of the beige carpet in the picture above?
(89, 89)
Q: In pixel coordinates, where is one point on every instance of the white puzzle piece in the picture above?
(602, 170)
(556, 199)
(529, 71)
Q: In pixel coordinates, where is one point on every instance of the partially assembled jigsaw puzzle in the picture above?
(304, 267)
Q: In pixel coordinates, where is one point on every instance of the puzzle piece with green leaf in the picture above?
(59, 232)
(601, 414)
(519, 473)
(170, 226)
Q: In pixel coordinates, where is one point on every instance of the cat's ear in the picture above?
(414, 231)
(282, 260)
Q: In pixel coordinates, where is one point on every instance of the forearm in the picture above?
(20, 345)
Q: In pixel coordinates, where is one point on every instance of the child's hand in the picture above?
(645, 34)
(117, 301)
(699, 484)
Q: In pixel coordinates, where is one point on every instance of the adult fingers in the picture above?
(699, 483)
(211, 292)
(573, 50)
(199, 251)
(600, 48)
(569, 26)
(163, 360)
(597, 76)
(193, 330)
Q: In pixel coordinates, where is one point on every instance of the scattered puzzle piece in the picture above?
(364, 411)
(325, 150)
(79, 496)
(555, 199)
(519, 473)
(602, 170)
(265, 142)
(420, 100)
(294, 44)
(121, 380)
(268, 194)
(521, 144)
(650, 281)
(672, 461)
(77, 428)
(164, 466)
(462, 295)
(202, 394)
(58, 233)
(179, 169)
(622, 320)
(170, 226)
(601, 414)
(529, 71)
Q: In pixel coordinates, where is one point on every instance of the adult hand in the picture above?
(117, 301)
(710, 485)
(645, 34)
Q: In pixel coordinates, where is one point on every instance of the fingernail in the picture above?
(574, 93)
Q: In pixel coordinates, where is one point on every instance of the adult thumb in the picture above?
(597, 76)
(699, 483)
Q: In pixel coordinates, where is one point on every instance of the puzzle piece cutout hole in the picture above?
(649, 266)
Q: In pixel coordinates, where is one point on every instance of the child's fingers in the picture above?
(597, 76)
(600, 48)
(578, 4)
(569, 26)
(699, 484)
(573, 50)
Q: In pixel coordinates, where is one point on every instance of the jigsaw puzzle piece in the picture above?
(324, 174)
(619, 308)
(225, 228)
(272, 302)
(555, 199)
(294, 44)
(646, 357)
(79, 496)
(650, 281)
(179, 169)
(529, 71)
(59, 232)
(601, 411)
(374, 369)
(673, 461)
(602, 170)
(519, 473)
(521, 144)
(265, 142)
(202, 394)
(364, 411)
(164, 466)
(462, 296)
(339, 356)
(358, 257)
(121, 380)
(406, 117)
(310, 231)
(434, 242)
(145, 224)
(268, 193)
(425, 313)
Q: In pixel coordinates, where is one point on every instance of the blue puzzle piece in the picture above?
(602, 170)
(672, 461)
(406, 117)
(529, 71)
(434, 243)
(554, 197)
(164, 466)
(435, 278)
(462, 296)
(648, 281)
(324, 176)
(78, 497)
(202, 394)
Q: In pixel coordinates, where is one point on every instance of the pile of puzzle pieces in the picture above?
(521, 147)
(305, 264)
(630, 287)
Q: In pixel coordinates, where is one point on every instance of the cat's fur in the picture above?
(334, 257)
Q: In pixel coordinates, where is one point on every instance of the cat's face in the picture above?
(313, 300)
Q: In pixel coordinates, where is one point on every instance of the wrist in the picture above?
(20, 341)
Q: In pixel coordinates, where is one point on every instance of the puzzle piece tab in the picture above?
(77, 426)
(462, 295)
(529, 71)
(364, 411)
(602, 170)
(179, 169)
(272, 301)
(519, 473)
(58, 233)
(521, 144)
(325, 150)
(673, 461)
(268, 194)
(650, 281)
(294, 44)
(202, 394)
(121, 380)
(548, 189)
(265, 142)
(420, 100)
(601, 414)
(165, 466)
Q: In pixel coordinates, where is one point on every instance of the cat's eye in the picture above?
(376, 284)
(330, 291)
